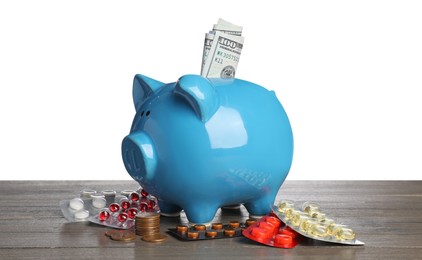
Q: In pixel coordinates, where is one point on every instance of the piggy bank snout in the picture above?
(139, 156)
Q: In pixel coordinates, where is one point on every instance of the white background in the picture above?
(348, 73)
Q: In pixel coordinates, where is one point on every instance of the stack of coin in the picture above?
(147, 223)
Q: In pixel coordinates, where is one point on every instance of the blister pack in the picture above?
(310, 221)
(109, 208)
(213, 231)
(270, 231)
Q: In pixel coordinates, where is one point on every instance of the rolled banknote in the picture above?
(223, 27)
(227, 27)
(223, 56)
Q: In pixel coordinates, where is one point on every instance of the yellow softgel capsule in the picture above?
(298, 218)
(306, 223)
(327, 221)
(284, 205)
(317, 230)
(344, 233)
(290, 213)
(317, 215)
(309, 207)
(333, 226)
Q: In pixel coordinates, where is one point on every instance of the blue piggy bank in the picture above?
(199, 144)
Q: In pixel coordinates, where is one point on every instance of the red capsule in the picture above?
(122, 217)
(134, 196)
(144, 193)
(132, 213)
(114, 207)
(125, 205)
(151, 205)
(143, 207)
(104, 215)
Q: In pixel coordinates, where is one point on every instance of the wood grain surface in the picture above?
(386, 215)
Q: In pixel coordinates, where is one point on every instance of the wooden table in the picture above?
(386, 215)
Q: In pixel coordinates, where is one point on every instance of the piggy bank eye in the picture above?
(148, 113)
(142, 113)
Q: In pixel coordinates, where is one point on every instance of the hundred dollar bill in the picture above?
(227, 27)
(223, 56)
(221, 26)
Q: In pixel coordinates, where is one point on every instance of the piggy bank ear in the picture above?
(200, 94)
(143, 87)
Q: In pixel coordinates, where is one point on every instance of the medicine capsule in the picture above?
(298, 218)
(234, 224)
(326, 221)
(114, 207)
(122, 217)
(344, 233)
(217, 226)
(151, 205)
(99, 202)
(76, 204)
(309, 207)
(132, 212)
(317, 215)
(144, 193)
(124, 203)
(87, 193)
(143, 206)
(290, 213)
(134, 196)
(81, 214)
(317, 230)
(306, 223)
(284, 205)
(332, 227)
(104, 215)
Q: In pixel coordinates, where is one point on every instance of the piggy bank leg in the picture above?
(260, 207)
(169, 210)
(200, 213)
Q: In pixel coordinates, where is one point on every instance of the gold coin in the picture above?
(155, 238)
(123, 235)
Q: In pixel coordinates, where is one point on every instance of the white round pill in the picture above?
(98, 202)
(81, 214)
(76, 204)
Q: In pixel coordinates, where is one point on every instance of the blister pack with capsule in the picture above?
(270, 231)
(213, 231)
(311, 222)
(109, 208)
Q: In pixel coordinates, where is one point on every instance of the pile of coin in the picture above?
(121, 235)
(147, 225)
